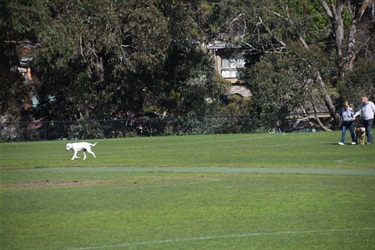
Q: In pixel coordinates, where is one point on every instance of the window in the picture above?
(229, 67)
(225, 63)
(229, 73)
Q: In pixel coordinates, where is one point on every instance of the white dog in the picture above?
(78, 146)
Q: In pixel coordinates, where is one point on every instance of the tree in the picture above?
(359, 82)
(354, 52)
(95, 58)
(16, 29)
(277, 26)
(346, 47)
(104, 59)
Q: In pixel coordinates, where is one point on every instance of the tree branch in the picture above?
(270, 32)
(288, 19)
(364, 6)
(326, 8)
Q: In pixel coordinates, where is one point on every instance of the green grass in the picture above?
(48, 201)
(302, 150)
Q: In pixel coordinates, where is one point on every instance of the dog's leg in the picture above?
(74, 155)
(91, 152)
(84, 155)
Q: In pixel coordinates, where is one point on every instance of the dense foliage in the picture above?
(115, 59)
(107, 59)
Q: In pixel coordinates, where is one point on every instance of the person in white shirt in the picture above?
(367, 111)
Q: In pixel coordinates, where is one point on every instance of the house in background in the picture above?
(228, 60)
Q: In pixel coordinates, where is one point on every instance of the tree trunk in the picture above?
(327, 99)
(351, 46)
(356, 18)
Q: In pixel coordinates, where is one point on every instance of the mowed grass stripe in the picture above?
(295, 150)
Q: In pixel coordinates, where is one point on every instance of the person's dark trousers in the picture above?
(368, 125)
(345, 126)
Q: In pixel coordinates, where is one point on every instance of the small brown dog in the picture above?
(360, 134)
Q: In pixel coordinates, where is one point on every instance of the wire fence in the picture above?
(159, 126)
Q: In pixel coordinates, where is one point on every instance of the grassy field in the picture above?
(253, 191)
(299, 150)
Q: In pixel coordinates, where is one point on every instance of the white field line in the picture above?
(216, 237)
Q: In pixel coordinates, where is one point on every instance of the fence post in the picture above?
(254, 122)
(45, 130)
(150, 126)
(203, 125)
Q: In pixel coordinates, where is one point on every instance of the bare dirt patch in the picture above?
(48, 183)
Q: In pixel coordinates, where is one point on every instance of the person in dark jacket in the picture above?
(347, 115)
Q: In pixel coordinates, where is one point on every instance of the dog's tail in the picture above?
(93, 144)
